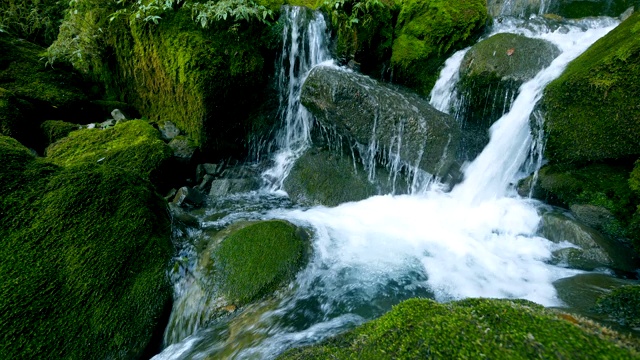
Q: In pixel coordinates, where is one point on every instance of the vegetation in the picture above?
(84, 251)
(55, 130)
(34, 20)
(470, 329)
(574, 9)
(622, 305)
(256, 259)
(427, 32)
(590, 109)
(132, 145)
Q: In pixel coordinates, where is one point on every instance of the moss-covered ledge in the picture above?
(472, 329)
(83, 258)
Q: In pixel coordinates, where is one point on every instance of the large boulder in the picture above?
(427, 32)
(472, 328)
(493, 70)
(574, 9)
(591, 110)
(84, 253)
(398, 125)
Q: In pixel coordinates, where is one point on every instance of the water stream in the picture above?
(479, 240)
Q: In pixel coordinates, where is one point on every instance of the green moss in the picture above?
(427, 32)
(34, 20)
(256, 259)
(574, 9)
(469, 329)
(55, 130)
(591, 111)
(132, 145)
(84, 251)
(634, 178)
(622, 305)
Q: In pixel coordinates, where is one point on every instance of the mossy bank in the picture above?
(84, 253)
(473, 328)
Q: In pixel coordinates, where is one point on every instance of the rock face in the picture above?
(520, 8)
(574, 9)
(395, 123)
(84, 254)
(492, 71)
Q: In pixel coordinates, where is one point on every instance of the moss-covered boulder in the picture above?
(598, 194)
(591, 111)
(32, 92)
(429, 31)
(55, 130)
(493, 70)
(323, 177)
(574, 9)
(84, 253)
(132, 145)
(473, 328)
(622, 305)
(395, 124)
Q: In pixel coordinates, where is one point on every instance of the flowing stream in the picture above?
(478, 240)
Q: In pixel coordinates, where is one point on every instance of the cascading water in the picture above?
(479, 240)
(303, 47)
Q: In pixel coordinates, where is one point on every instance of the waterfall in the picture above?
(479, 240)
(303, 47)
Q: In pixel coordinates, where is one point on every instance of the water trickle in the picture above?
(304, 46)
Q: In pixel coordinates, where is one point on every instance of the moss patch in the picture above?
(591, 109)
(622, 305)
(84, 251)
(474, 328)
(55, 130)
(427, 32)
(574, 9)
(132, 145)
(256, 259)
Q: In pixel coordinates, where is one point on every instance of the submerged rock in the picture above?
(398, 125)
(472, 328)
(622, 305)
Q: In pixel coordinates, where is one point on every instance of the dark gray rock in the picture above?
(223, 187)
(182, 148)
(189, 197)
(396, 123)
(169, 130)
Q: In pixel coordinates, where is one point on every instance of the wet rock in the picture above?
(183, 148)
(224, 187)
(182, 216)
(521, 8)
(208, 169)
(206, 182)
(169, 130)
(394, 122)
(574, 9)
(118, 116)
(189, 197)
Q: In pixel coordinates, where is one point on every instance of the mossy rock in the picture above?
(622, 305)
(132, 145)
(493, 70)
(427, 33)
(574, 9)
(84, 253)
(591, 110)
(322, 177)
(55, 130)
(255, 259)
(472, 328)
(32, 92)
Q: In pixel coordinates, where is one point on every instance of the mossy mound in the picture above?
(493, 70)
(622, 305)
(84, 252)
(32, 92)
(55, 130)
(591, 109)
(132, 145)
(256, 258)
(427, 32)
(574, 9)
(321, 177)
(473, 328)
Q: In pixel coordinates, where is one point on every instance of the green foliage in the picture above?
(34, 20)
(470, 329)
(84, 251)
(622, 305)
(591, 111)
(634, 178)
(132, 145)
(427, 32)
(55, 130)
(256, 259)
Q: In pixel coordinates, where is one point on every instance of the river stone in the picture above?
(169, 130)
(393, 121)
(183, 148)
(118, 116)
(594, 250)
(189, 197)
(493, 70)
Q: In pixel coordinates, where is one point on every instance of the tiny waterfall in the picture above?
(303, 47)
(479, 240)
